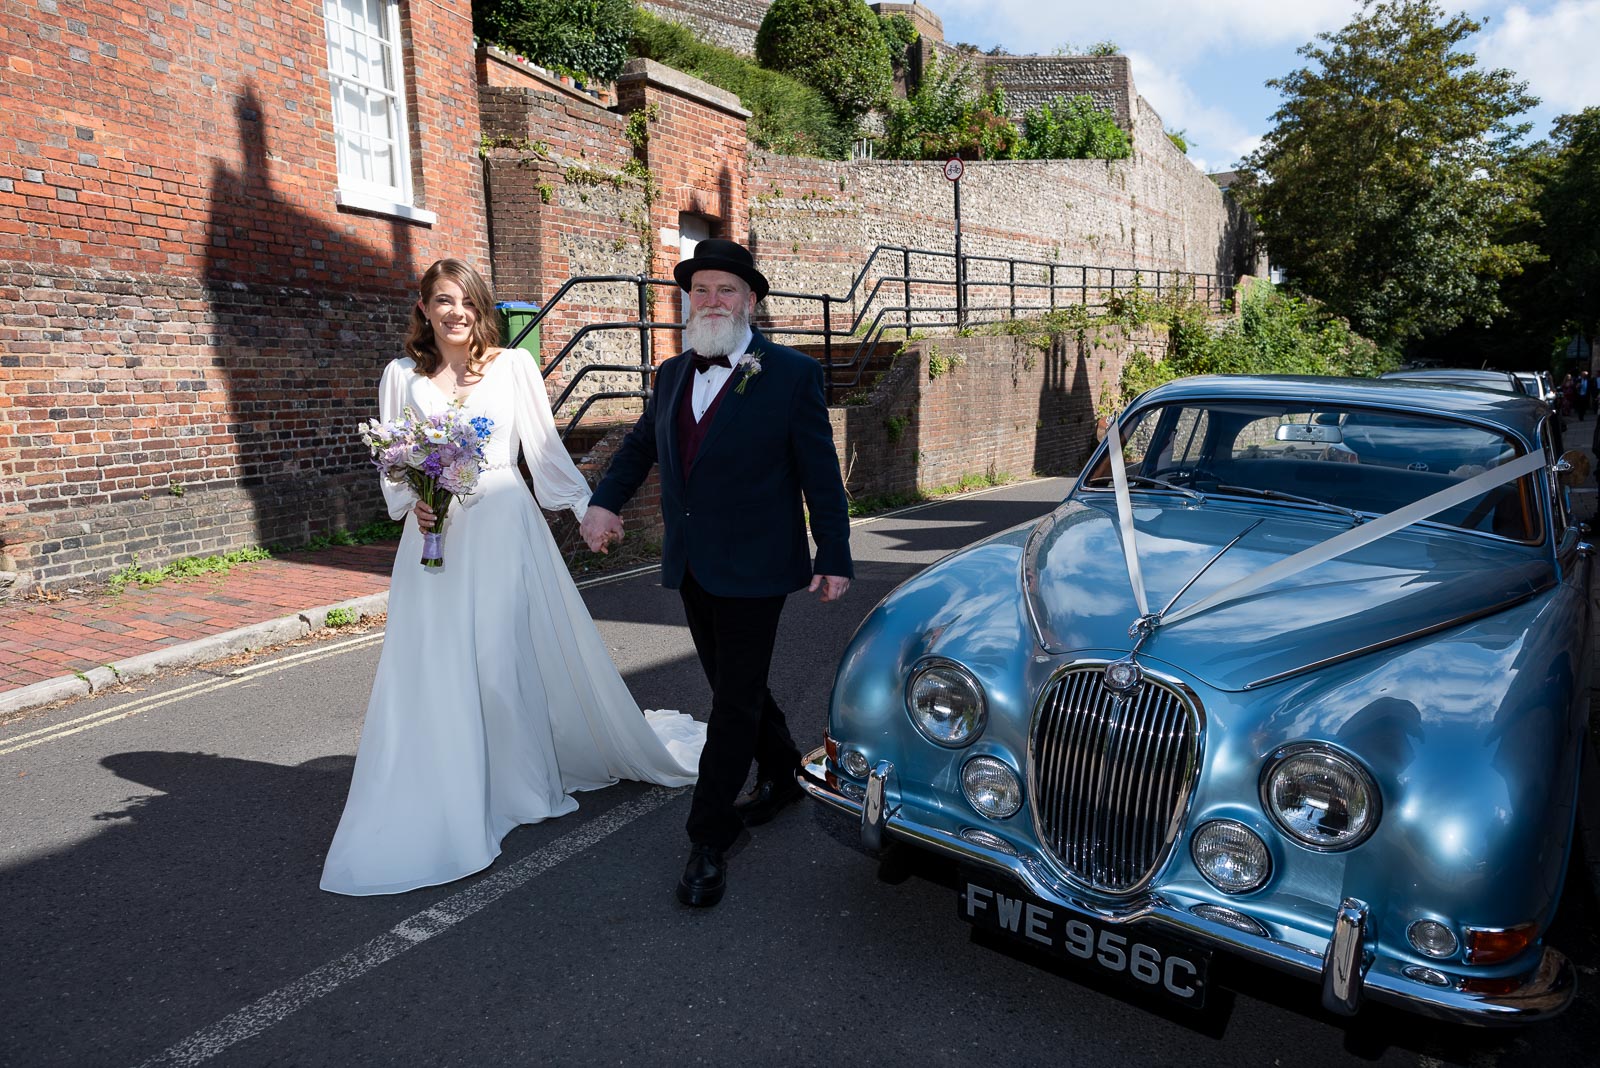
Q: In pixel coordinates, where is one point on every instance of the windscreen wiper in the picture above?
(1356, 517)
(1146, 480)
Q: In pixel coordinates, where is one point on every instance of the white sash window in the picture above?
(367, 78)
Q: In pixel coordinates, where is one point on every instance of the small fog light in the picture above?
(1231, 857)
(987, 841)
(1432, 939)
(1229, 918)
(1426, 975)
(991, 787)
(854, 763)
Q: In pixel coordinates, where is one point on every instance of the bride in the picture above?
(495, 697)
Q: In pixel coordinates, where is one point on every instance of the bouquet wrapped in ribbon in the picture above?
(439, 456)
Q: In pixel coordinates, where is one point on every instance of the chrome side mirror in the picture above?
(1573, 467)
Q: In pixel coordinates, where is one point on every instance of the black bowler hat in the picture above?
(720, 254)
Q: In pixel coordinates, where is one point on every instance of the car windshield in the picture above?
(1358, 461)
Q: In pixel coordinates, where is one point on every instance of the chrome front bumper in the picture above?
(1347, 970)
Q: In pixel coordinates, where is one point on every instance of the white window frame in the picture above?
(357, 190)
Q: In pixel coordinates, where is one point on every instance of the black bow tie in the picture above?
(705, 363)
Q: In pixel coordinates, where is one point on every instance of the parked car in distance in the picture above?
(1298, 673)
(1463, 376)
(1547, 391)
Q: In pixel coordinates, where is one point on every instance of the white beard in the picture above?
(714, 335)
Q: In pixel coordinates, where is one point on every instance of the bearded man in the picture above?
(740, 428)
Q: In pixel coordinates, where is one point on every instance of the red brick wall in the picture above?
(193, 326)
(697, 150)
(566, 198)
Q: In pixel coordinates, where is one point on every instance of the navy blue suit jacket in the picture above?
(736, 517)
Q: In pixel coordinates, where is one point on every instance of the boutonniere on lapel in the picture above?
(752, 367)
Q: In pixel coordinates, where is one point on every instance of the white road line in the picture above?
(606, 580)
(96, 715)
(16, 743)
(347, 643)
(407, 934)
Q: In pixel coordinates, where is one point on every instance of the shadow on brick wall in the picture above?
(305, 318)
(1065, 429)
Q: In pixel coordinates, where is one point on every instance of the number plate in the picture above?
(1175, 971)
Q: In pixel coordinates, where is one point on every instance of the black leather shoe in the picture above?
(764, 802)
(705, 877)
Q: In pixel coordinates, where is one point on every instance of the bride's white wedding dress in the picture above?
(495, 697)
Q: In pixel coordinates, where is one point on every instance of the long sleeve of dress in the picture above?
(398, 496)
(557, 482)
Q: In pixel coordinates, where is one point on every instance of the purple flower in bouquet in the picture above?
(440, 457)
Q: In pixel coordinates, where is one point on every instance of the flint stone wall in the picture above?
(730, 24)
(1033, 81)
(813, 223)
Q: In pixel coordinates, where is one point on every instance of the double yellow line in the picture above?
(57, 731)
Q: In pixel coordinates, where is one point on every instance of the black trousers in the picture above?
(734, 637)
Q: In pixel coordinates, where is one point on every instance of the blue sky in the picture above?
(1202, 63)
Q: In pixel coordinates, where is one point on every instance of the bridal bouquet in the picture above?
(440, 456)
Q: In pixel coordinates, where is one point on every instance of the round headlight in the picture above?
(1320, 797)
(1231, 856)
(991, 787)
(946, 703)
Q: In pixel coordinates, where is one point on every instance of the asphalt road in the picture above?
(160, 849)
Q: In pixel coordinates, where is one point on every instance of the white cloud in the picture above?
(1556, 50)
(1217, 139)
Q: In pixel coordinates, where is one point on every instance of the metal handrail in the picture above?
(911, 314)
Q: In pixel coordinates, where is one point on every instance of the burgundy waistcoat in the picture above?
(691, 433)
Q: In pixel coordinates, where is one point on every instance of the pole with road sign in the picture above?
(952, 171)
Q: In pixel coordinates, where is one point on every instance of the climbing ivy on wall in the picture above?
(587, 39)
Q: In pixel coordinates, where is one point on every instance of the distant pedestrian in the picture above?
(1569, 395)
(1585, 392)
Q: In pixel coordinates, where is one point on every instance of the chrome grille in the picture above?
(1111, 777)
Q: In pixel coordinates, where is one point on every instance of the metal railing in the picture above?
(938, 300)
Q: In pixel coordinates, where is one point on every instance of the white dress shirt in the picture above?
(708, 383)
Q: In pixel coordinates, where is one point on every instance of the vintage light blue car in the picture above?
(1298, 671)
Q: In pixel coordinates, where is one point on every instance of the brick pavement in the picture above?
(45, 640)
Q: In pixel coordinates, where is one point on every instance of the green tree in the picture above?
(1274, 333)
(950, 113)
(899, 34)
(1386, 181)
(1569, 204)
(786, 115)
(836, 46)
(583, 38)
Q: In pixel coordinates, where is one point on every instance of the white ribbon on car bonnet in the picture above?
(1321, 552)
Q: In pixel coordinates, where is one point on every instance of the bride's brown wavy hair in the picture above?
(420, 345)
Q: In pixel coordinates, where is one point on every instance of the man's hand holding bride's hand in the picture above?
(600, 528)
(832, 586)
(426, 519)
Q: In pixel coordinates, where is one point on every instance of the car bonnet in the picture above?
(1407, 584)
